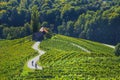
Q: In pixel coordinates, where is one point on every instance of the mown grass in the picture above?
(13, 56)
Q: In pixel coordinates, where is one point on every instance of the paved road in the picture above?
(32, 63)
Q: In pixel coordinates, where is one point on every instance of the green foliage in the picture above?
(3, 5)
(117, 50)
(13, 56)
(92, 46)
(62, 28)
(63, 60)
(96, 20)
(65, 9)
(15, 32)
(99, 26)
(35, 18)
(48, 35)
(70, 28)
(45, 24)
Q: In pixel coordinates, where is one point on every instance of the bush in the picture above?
(117, 50)
(49, 34)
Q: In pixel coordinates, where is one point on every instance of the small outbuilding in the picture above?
(43, 30)
(39, 36)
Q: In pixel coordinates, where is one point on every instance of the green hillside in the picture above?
(65, 61)
(13, 56)
(73, 33)
(97, 20)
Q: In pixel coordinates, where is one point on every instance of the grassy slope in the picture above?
(65, 61)
(92, 46)
(13, 56)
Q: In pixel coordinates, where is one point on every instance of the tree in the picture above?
(70, 28)
(62, 28)
(35, 18)
(45, 24)
(28, 29)
(117, 50)
(48, 35)
(1, 31)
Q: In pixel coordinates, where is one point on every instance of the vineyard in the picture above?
(64, 61)
(13, 55)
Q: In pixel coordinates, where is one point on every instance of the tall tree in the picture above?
(35, 18)
(70, 28)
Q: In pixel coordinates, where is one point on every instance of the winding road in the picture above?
(32, 64)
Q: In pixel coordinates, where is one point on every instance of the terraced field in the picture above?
(64, 61)
(13, 56)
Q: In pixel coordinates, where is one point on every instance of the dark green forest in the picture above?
(97, 20)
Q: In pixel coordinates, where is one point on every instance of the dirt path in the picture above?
(109, 45)
(32, 63)
(82, 48)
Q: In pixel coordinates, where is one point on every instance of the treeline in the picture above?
(97, 20)
(14, 32)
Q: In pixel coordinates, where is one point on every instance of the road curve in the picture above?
(31, 63)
